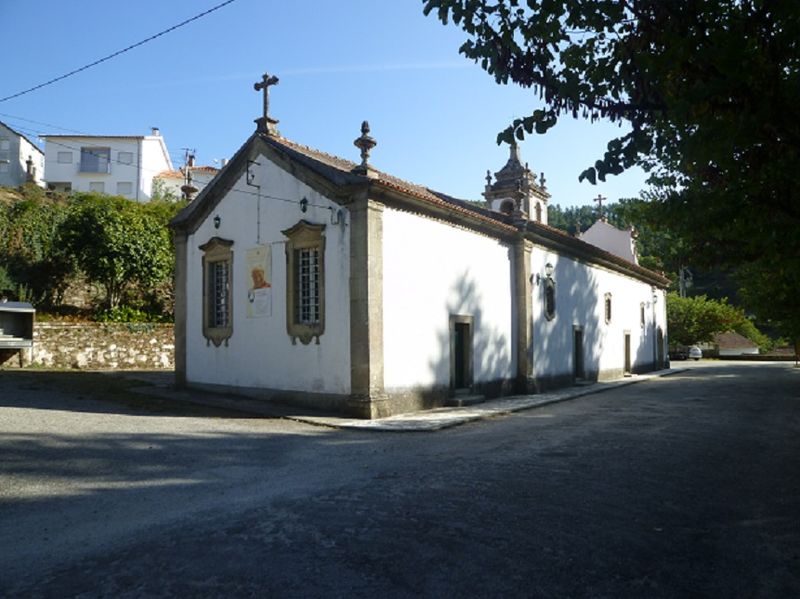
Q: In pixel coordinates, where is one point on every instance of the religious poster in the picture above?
(259, 281)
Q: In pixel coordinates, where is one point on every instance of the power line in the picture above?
(175, 156)
(22, 118)
(117, 53)
(91, 151)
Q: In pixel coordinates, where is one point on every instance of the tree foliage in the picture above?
(707, 92)
(117, 243)
(695, 319)
(36, 267)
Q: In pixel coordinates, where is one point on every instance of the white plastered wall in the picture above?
(430, 271)
(580, 301)
(260, 353)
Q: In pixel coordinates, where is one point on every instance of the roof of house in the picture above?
(23, 136)
(733, 340)
(343, 175)
(80, 136)
(179, 174)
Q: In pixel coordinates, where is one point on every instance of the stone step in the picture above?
(461, 400)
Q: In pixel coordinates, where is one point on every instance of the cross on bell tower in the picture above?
(600, 199)
(265, 123)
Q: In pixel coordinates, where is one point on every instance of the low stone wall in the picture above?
(98, 346)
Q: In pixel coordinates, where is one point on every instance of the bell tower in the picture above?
(516, 190)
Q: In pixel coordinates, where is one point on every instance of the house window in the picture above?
(64, 158)
(607, 305)
(5, 153)
(641, 314)
(95, 160)
(549, 298)
(124, 188)
(97, 186)
(217, 290)
(305, 282)
(125, 157)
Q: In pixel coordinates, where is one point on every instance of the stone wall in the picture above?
(98, 346)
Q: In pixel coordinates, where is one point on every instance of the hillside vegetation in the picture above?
(102, 256)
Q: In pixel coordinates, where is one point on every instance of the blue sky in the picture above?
(434, 114)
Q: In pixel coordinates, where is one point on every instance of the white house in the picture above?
(122, 165)
(306, 278)
(21, 161)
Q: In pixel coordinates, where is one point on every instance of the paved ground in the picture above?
(687, 485)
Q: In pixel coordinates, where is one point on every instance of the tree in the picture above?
(708, 91)
(118, 244)
(695, 319)
(34, 264)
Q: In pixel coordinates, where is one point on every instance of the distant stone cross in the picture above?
(599, 199)
(266, 81)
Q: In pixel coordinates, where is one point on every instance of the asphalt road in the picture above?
(685, 486)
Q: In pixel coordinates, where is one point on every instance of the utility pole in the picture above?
(188, 162)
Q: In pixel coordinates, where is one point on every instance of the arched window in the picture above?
(507, 207)
(538, 212)
(549, 298)
(608, 307)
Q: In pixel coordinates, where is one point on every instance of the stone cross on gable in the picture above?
(600, 199)
(266, 123)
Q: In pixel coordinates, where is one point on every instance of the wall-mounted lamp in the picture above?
(217, 221)
(303, 205)
(548, 273)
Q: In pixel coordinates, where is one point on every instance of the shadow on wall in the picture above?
(487, 362)
(569, 346)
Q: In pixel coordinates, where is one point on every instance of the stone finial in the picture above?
(488, 177)
(365, 143)
(265, 123)
(542, 180)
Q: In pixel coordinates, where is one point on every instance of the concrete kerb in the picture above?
(430, 420)
(441, 418)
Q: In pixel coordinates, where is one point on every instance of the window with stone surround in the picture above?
(217, 290)
(549, 298)
(607, 306)
(305, 282)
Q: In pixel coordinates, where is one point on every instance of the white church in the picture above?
(305, 278)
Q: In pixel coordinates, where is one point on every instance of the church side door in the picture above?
(577, 358)
(461, 331)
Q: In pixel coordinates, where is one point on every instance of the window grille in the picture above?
(308, 306)
(218, 306)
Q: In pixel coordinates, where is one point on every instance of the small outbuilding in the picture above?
(734, 344)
